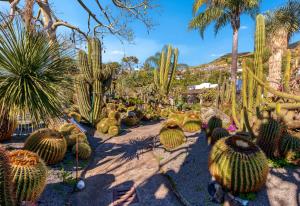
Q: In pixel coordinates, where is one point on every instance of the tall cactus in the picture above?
(164, 75)
(94, 80)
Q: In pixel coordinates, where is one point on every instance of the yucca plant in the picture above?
(33, 72)
(29, 174)
(238, 164)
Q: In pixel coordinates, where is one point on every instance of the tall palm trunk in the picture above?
(234, 64)
(278, 45)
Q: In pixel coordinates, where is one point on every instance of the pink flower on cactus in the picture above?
(232, 127)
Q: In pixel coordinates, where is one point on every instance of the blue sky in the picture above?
(171, 20)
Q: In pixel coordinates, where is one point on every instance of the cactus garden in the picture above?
(145, 102)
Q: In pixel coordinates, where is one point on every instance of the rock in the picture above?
(207, 113)
(216, 192)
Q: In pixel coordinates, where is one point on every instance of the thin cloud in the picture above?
(244, 27)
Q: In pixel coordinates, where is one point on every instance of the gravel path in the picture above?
(126, 162)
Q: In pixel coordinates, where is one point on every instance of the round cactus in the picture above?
(103, 126)
(131, 120)
(112, 122)
(213, 123)
(49, 144)
(289, 143)
(7, 128)
(269, 137)
(29, 174)
(75, 115)
(238, 164)
(71, 133)
(217, 134)
(171, 135)
(114, 115)
(7, 196)
(191, 123)
(178, 117)
(113, 130)
(84, 150)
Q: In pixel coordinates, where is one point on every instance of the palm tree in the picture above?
(281, 24)
(32, 73)
(222, 12)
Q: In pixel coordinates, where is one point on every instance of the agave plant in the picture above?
(32, 73)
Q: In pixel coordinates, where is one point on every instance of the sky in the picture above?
(171, 20)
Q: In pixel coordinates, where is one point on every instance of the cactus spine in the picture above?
(93, 82)
(29, 175)
(287, 71)
(164, 75)
(7, 197)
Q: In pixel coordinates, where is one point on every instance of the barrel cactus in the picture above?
(113, 130)
(213, 123)
(84, 150)
(269, 137)
(178, 117)
(103, 126)
(238, 164)
(171, 135)
(75, 115)
(114, 115)
(29, 174)
(217, 134)
(49, 144)
(72, 134)
(191, 123)
(131, 120)
(7, 196)
(289, 143)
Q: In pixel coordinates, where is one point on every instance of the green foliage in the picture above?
(251, 196)
(171, 135)
(29, 175)
(49, 144)
(7, 197)
(93, 82)
(67, 177)
(217, 134)
(279, 163)
(84, 150)
(213, 122)
(33, 73)
(238, 165)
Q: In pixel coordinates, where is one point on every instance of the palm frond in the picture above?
(32, 73)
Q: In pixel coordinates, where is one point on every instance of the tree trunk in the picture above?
(278, 45)
(234, 63)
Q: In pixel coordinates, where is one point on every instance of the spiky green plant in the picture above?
(289, 143)
(103, 126)
(171, 135)
(178, 117)
(49, 144)
(113, 130)
(29, 174)
(7, 196)
(33, 73)
(269, 137)
(164, 75)
(238, 164)
(217, 134)
(93, 82)
(71, 133)
(84, 150)
(213, 122)
(191, 123)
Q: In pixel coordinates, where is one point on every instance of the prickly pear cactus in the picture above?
(29, 174)
(49, 144)
(238, 165)
(171, 135)
(7, 196)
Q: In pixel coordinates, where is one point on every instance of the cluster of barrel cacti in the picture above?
(110, 124)
(95, 79)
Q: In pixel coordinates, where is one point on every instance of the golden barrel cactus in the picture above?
(191, 123)
(171, 135)
(29, 174)
(84, 150)
(238, 164)
(49, 144)
(71, 132)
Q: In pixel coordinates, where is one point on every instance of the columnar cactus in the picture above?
(289, 143)
(269, 137)
(7, 196)
(191, 123)
(49, 144)
(164, 75)
(171, 135)
(29, 174)
(238, 165)
(84, 150)
(93, 82)
(213, 122)
(217, 134)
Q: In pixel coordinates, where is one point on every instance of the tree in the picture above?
(33, 73)
(222, 12)
(129, 62)
(100, 19)
(281, 24)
